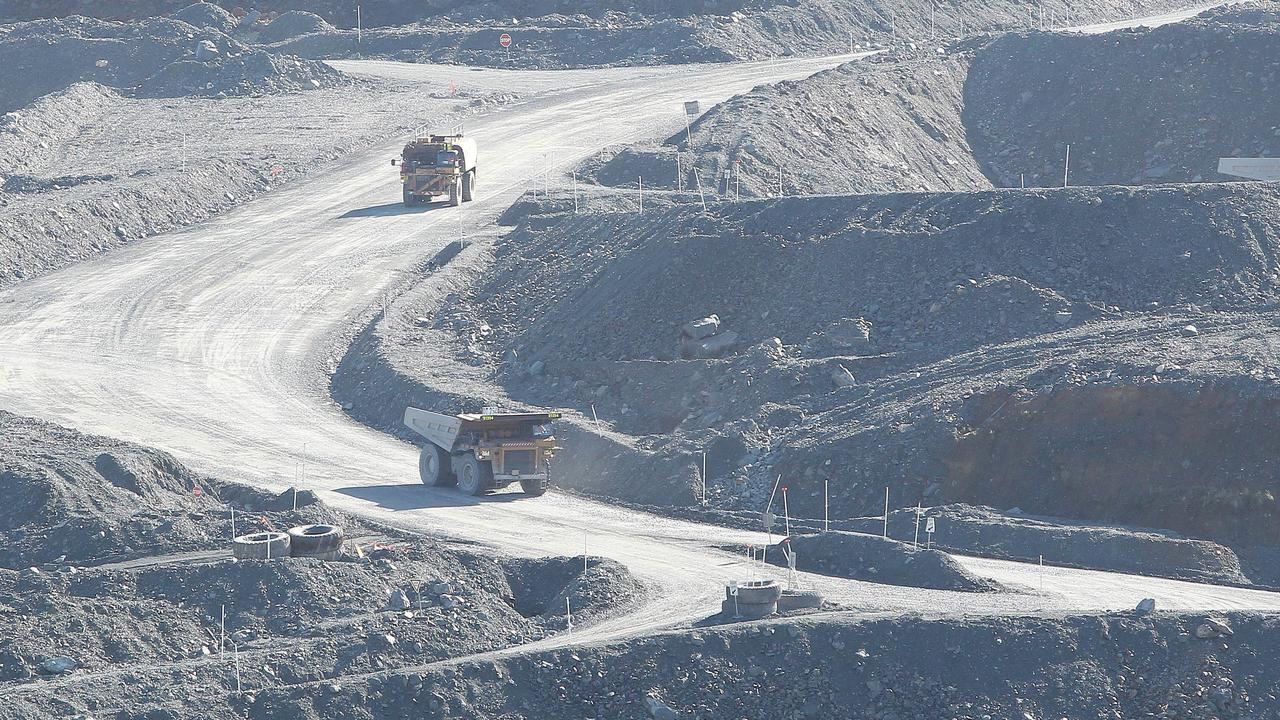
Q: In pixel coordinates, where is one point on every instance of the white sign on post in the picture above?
(928, 525)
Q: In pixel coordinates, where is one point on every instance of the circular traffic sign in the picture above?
(504, 40)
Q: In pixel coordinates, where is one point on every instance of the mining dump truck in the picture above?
(485, 452)
(434, 165)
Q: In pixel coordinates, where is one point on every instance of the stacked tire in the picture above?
(316, 541)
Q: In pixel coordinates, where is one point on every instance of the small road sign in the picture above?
(928, 525)
(504, 40)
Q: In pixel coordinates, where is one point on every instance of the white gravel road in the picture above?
(211, 343)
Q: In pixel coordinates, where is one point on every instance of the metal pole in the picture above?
(786, 514)
(885, 533)
(826, 506)
(915, 542)
(704, 477)
(1066, 167)
(359, 30)
(701, 196)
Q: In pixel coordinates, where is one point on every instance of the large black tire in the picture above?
(468, 186)
(455, 193)
(315, 540)
(533, 486)
(435, 468)
(261, 546)
(409, 198)
(474, 475)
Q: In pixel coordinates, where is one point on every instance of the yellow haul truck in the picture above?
(434, 165)
(485, 452)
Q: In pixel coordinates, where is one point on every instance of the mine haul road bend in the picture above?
(213, 343)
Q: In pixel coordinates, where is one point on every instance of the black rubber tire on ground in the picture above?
(474, 475)
(409, 198)
(534, 487)
(797, 599)
(468, 186)
(455, 193)
(759, 592)
(435, 467)
(261, 546)
(307, 540)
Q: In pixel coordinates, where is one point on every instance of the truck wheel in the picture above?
(468, 187)
(474, 476)
(455, 197)
(409, 199)
(533, 487)
(434, 467)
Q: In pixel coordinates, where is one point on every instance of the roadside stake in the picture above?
(885, 534)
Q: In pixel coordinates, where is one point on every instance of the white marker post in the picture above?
(359, 28)
(233, 520)
(594, 418)
(701, 196)
(575, 192)
(826, 505)
(885, 533)
(235, 652)
(1066, 166)
(568, 614)
(786, 513)
(915, 542)
(222, 631)
(641, 194)
(704, 478)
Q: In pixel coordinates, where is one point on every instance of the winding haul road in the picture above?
(212, 343)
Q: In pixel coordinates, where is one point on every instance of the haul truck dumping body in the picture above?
(485, 452)
(434, 165)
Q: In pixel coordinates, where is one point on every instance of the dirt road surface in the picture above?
(212, 343)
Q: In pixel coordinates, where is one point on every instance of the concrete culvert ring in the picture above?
(261, 546)
(759, 592)
(797, 599)
(313, 540)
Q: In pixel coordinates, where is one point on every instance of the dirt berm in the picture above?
(114, 564)
(151, 58)
(562, 33)
(1137, 107)
(1118, 666)
(875, 559)
(1094, 353)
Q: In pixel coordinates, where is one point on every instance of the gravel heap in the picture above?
(292, 24)
(875, 559)
(153, 57)
(207, 15)
(1152, 105)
